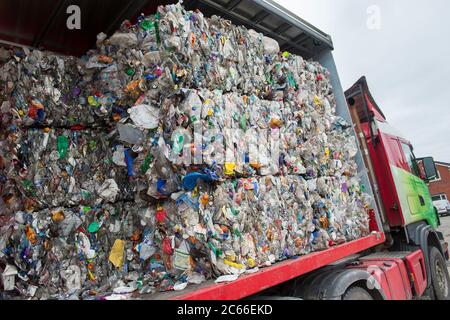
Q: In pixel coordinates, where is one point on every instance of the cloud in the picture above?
(405, 61)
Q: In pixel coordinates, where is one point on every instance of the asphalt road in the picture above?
(445, 229)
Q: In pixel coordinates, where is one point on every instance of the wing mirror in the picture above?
(428, 169)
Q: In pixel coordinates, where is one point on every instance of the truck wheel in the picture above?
(439, 275)
(357, 293)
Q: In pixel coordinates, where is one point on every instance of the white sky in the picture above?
(406, 61)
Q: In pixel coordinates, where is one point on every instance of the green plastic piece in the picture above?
(158, 37)
(93, 227)
(86, 209)
(243, 122)
(146, 164)
(63, 146)
(292, 82)
(147, 24)
(28, 185)
(85, 194)
(92, 145)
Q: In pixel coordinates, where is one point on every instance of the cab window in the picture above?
(410, 159)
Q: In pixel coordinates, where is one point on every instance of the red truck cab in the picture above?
(399, 181)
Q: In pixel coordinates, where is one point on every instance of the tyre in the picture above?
(440, 278)
(357, 293)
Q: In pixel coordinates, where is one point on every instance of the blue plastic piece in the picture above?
(129, 160)
(189, 201)
(160, 184)
(190, 180)
(123, 113)
(40, 115)
(150, 77)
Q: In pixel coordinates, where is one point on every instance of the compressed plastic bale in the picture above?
(47, 231)
(48, 89)
(65, 167)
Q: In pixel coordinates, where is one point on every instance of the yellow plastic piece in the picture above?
(92, 101)
(58, 216)
(116, 254)
(317, 101)
(91, 275)
(229, 168)
(233, 264)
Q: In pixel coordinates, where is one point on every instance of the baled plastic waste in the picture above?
(182, 149)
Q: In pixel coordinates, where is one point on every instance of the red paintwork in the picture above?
(416, 266)
(378, 274)
(281, 272)
(382, 155)
(393, 150)
(377, 115)
(391, 274)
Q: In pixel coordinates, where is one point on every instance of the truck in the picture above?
(405, 255)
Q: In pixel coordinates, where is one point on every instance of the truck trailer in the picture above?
(405, 255)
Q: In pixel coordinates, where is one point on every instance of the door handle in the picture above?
(422, 201)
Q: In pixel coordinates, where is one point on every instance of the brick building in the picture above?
(440, 187)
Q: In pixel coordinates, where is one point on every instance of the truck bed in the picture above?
(251, 284)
